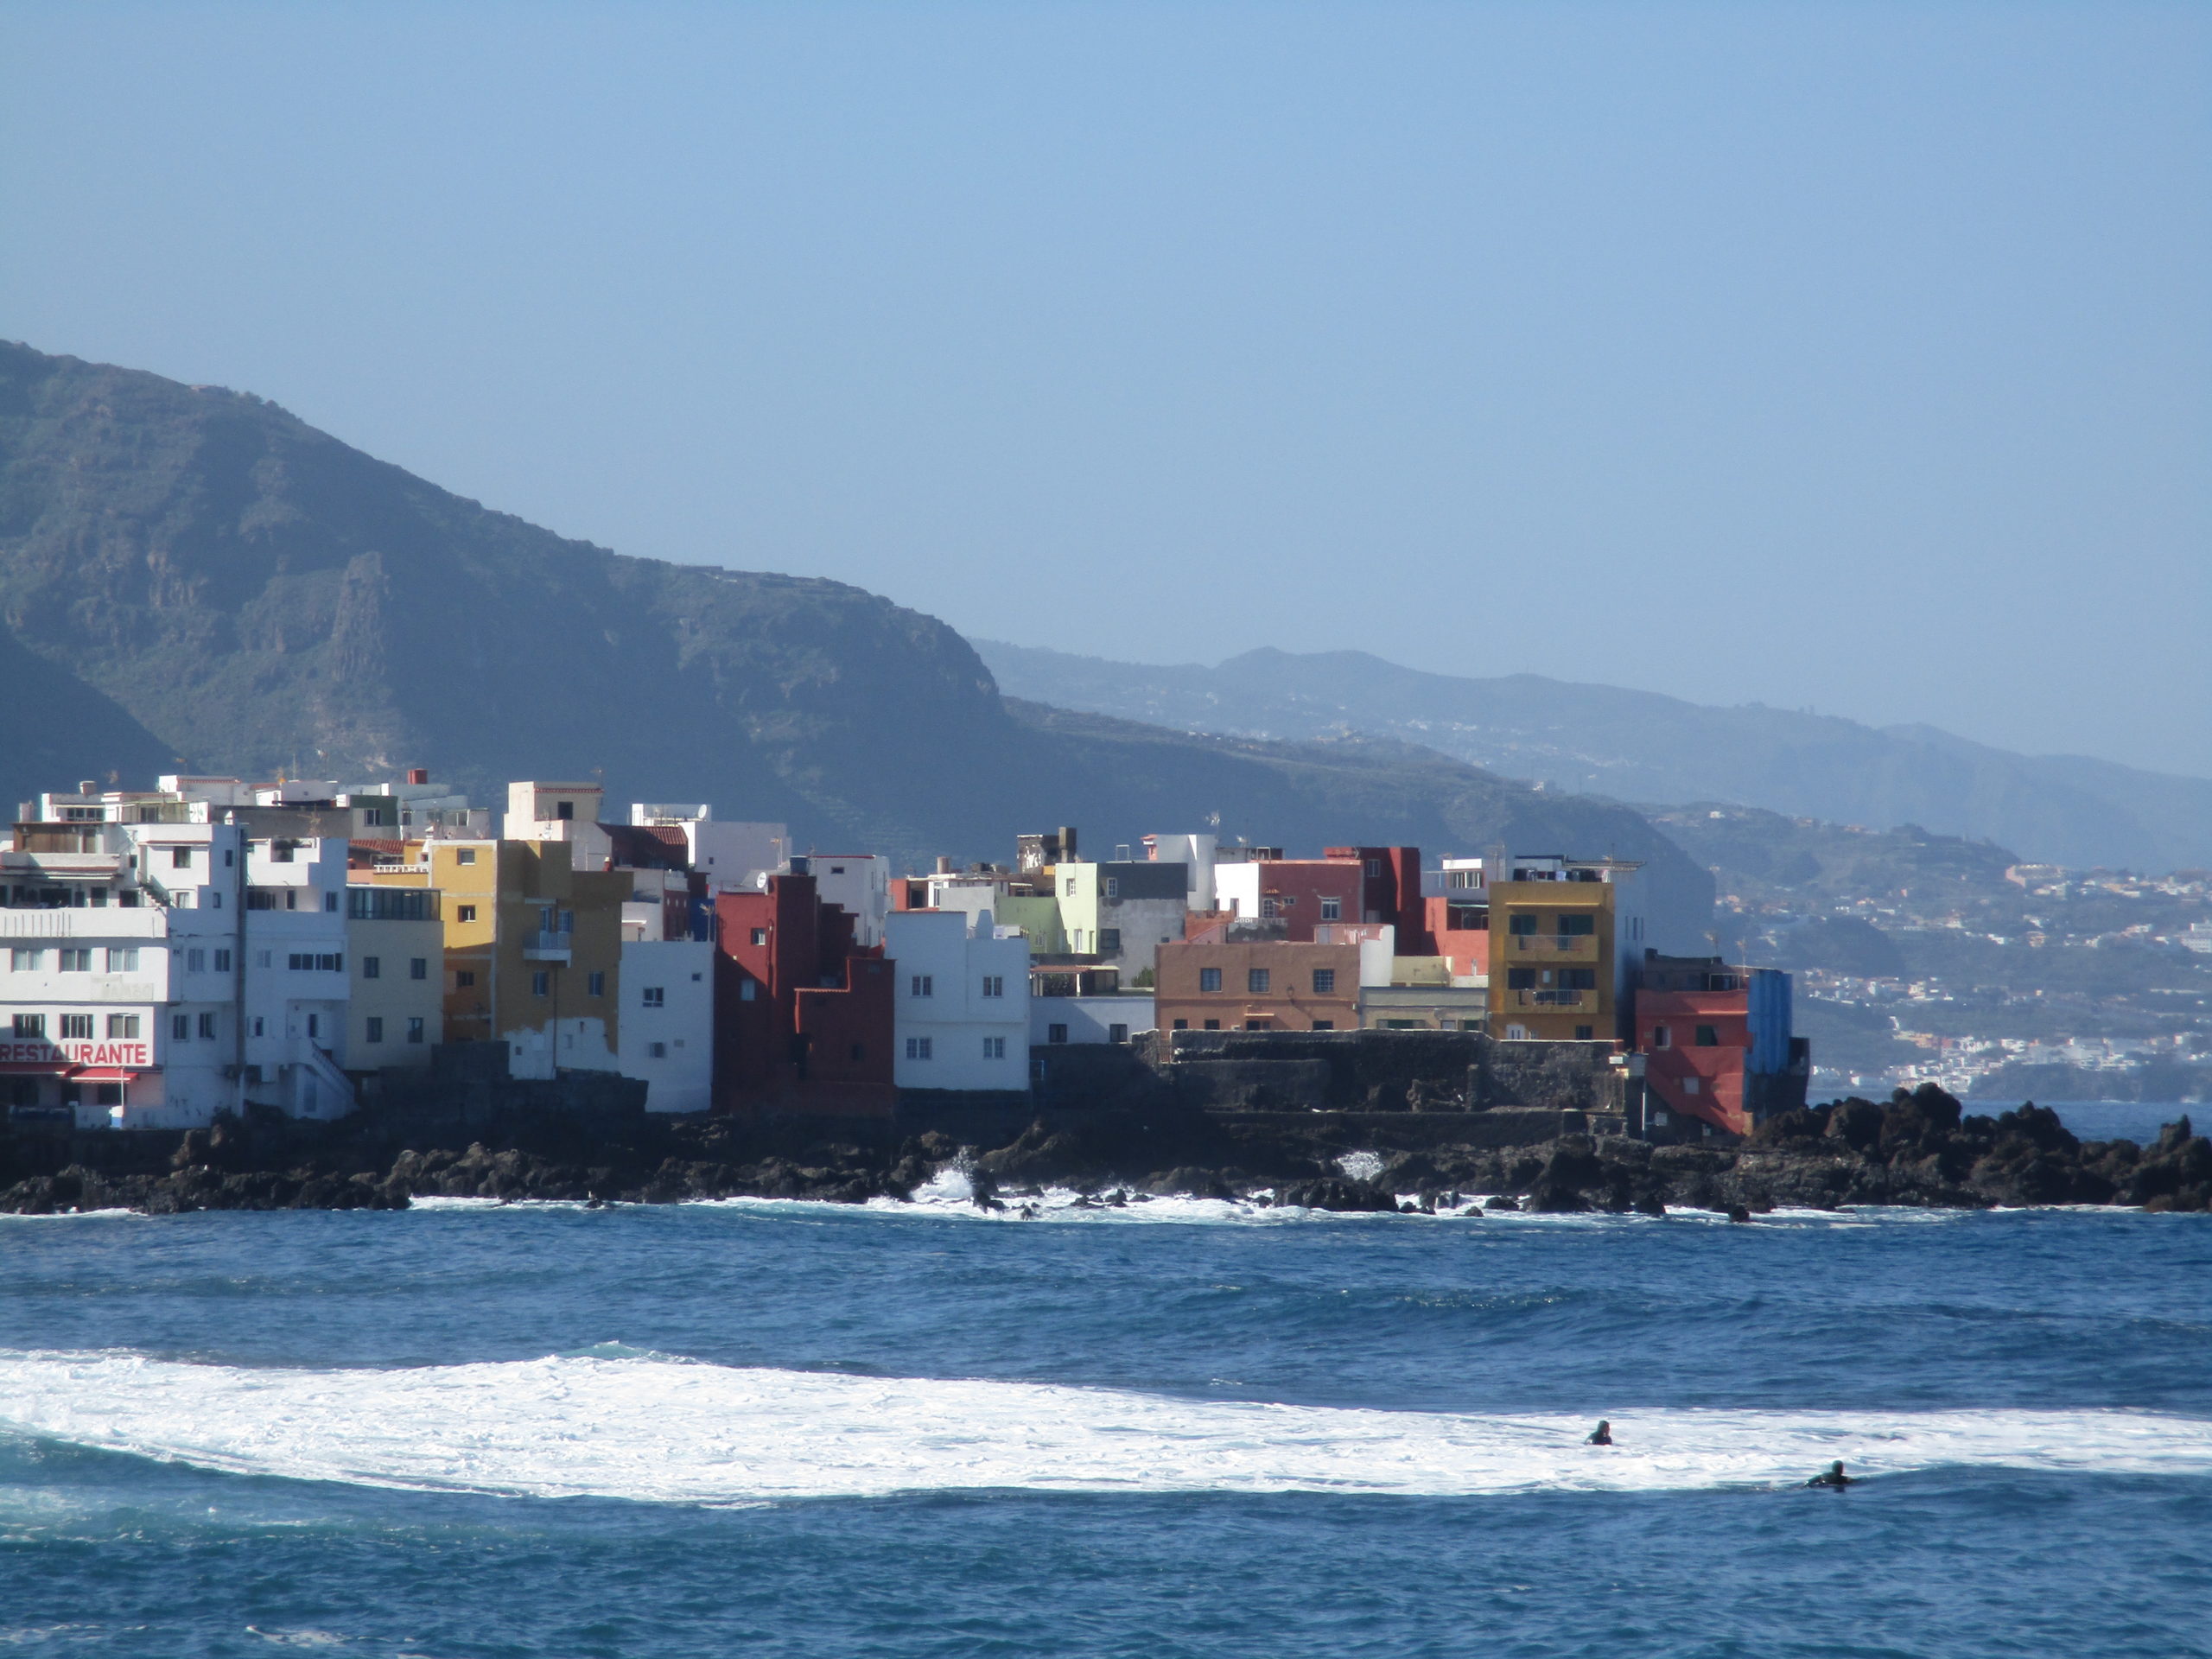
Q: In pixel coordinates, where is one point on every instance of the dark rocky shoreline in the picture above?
(1918, 1149)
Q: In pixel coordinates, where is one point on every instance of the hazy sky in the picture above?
(1857, 356)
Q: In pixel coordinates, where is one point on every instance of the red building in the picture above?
(1391, 892)
(1719, 1055)
(1458, 931)
(803, 1015)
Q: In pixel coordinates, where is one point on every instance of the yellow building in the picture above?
(532, 949)
(1554, 972)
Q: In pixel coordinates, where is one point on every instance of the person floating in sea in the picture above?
(1831, 1476)
(1601, 1435)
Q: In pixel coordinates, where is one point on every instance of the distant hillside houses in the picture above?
(211, 945)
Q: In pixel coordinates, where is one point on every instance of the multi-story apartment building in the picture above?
(172, 954)
(395, 950)
(803, 1014)
(961, 1001)
(1563, 934)
(1242, 976)
(1121, 911)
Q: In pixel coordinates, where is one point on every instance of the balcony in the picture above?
(547, 945)
(1570, 947)
(1553, 1001)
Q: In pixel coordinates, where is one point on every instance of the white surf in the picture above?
(669, 1430)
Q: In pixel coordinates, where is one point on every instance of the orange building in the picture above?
(1257, 985)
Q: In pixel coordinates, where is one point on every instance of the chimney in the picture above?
(1067, 842)
(418, 774)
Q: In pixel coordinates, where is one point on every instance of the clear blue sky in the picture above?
(1855, 355)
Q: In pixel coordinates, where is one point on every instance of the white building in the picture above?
(171, 955)
(961, 1001)
(1100, 1017)
(666, 1025)
(732, 856)
(859, 883)
(1196, 853)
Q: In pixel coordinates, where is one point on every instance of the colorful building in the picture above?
(804, 1013)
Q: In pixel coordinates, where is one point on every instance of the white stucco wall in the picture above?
(671, 1047)
(1089, 1018)
(974, 1041)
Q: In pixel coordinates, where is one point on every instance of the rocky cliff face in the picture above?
(190, 576)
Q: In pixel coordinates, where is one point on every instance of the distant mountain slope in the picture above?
(1640, 745)
(192, 572)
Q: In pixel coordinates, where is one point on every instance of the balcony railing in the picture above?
(547, 945)
(1569, 1000)
(1556, 944)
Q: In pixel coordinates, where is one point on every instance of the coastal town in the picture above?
(209, 946)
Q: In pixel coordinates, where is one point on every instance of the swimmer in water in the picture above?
(1832, 1475)
(1601, 1435)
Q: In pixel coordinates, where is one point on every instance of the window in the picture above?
(541, 983)
(564, 810)
(222, 961)
(107, 1093)
(1375, 866)
(918, 1048)
(418, 968)
(1689, 1086)
(1583, 1034)
(1213, 1024)
(759, 936)
(995, 1048)
(123, 1025)
(415, 1029)
(1113, 886)
(25, 962)
(1182, 1025)
(372, 967)
(465, 855)
(1524, 925)
(1209, 979)
(76, 1026)
(993, 985)
(656, 996)
(923, 985)
(195, 961)
(596, 985)
(1659, 1037)
(1332, 910)
(1257, 980)
(1071, 894)
(123, 959)
(79, 960)
(280, 852)
(30, 1025)
(464, 979)
(1520, 979)
(1325, 1025)
(658, 1050)
(837, 869)
(1708, 1037)
(208, 1028)
(1117, 1033)
(1577, 926)
(179, 858)
(748, 990)
(465, 913)
(180, 1029)
(1270, 907)
(330, 901)
(1259, 1024)
(1110, 941)
(1055, 1033)
(860, 1051)
(260, 1029)
(1325, 981)
(261, 958)
(312, 961)
(372, 1029)
(1578, 979)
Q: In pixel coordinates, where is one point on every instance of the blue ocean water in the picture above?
(784, 1428)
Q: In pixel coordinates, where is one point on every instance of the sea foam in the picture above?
(669, 1430)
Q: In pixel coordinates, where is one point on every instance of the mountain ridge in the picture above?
(1649, 747)
(194, 579)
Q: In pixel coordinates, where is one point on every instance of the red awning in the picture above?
(112, 1074)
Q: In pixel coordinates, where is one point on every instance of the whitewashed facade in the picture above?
(666, 1025)
(962, 1004)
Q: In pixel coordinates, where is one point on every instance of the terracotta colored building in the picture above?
(1458, 931)
(1263, 985)
(1390, 894)
(1718, 1051)
(802, 1015)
